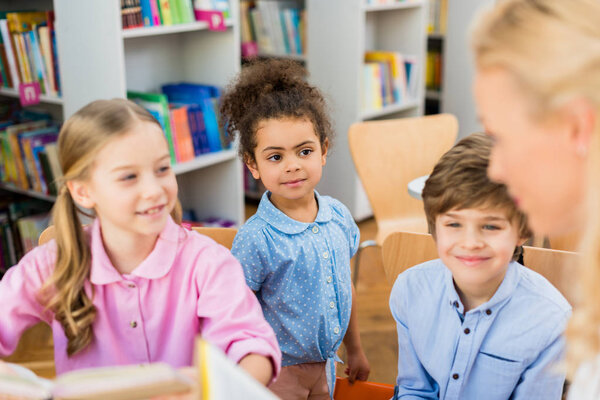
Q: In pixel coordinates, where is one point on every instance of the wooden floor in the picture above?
(377, 328)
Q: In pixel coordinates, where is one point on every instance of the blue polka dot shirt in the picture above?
(301, 275)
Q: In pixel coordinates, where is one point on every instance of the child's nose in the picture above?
(152, 187)
(472, 238)
(292, 165)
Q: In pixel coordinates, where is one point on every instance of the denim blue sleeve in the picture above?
(249, 248)
(413, 381)
(543, 379)
(350, 225)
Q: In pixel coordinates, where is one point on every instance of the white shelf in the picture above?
(335, 59)
(168, 29)
(393, 6)
(10, 92)
(31, 193)
(204, 160)
(391, 109)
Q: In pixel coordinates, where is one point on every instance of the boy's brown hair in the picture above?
(459, 180)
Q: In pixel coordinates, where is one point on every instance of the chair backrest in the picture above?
(402, 250)
(561, 268)
(361, 390)
(223, 236)
(388, 154)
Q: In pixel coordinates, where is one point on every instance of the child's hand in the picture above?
(358, 366)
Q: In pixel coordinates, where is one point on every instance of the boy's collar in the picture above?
(280, 221)
(504, 291)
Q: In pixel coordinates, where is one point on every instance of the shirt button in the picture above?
(315, 229)
(133, 324)
(326, 255)
(467, 331)
(329, 279)
(488, 311)
(455, 376)
(336, 330)
(331, 304)
(131, 285)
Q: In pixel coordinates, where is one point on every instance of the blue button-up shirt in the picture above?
(301, 275)
(506, 348)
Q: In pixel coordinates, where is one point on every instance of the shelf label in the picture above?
(29, 93)
(215, 19)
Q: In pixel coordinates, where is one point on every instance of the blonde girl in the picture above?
(537, 89)
(134, 286)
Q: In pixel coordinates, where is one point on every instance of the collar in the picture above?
(156, 265)
(504, 291)
(280, 221)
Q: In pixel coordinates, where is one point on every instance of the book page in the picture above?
(221, 379)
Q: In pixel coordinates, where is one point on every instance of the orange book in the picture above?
(183, 136)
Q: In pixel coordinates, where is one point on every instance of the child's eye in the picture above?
(305, 152)
(453, 225)
(491, 227)
(275, 157)
(164, 169)
(129, 177)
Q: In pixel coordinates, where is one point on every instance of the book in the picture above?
(158, 106)
(126, 382)
(10, 53)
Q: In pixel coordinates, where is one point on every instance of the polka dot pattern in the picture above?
(301, 275)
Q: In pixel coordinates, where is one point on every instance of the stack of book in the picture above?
(139, 13)
(28, 152)
(388, 78)
(188, 114)
(21, 223)
(28, 51)
(276, 27)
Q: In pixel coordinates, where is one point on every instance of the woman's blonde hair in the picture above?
(552, 49)
(81, 138)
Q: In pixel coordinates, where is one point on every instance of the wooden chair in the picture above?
(36, 346)
(388, 154)
(361, 390)
(402, 250)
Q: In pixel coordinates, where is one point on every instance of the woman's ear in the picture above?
(80, 193)
(583, 122)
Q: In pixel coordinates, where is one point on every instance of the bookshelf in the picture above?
(100, 60)
(339, 32)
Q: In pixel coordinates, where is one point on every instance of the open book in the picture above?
(118, 383)
(218, 379)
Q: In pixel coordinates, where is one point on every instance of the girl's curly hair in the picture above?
(271, 89)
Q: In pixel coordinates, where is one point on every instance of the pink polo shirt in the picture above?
(187, 285)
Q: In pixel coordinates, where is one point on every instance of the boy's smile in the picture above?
(476, 245)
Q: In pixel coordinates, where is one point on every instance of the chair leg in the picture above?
(366, 243)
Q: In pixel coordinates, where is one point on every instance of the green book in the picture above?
(158, 105)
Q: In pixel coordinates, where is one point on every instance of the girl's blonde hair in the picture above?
(552, 49)
(80, 139)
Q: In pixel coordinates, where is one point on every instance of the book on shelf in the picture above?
(28, 50)
(215, 378)
(275, 27)
(388, 78)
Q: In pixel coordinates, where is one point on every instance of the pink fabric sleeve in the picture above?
(19, 307)
(231, 317)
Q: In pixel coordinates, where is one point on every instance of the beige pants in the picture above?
(302, 382)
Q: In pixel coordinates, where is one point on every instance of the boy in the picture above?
(475, 324)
